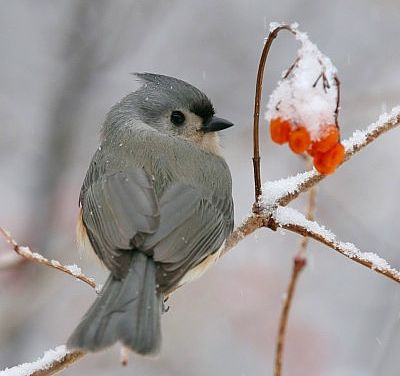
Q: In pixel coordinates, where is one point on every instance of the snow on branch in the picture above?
(25, 252)
(292, 220)
(50, 363)
(283, 191)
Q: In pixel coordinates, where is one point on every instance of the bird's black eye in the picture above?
(177, 118)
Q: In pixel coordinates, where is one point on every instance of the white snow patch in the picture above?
(43, 363)
(25, 251)
(274, 190)
(305, 97)
(287, 216)
(55, 263)
(377, 262)
(74, 270)
(360, 137)
(99, 287)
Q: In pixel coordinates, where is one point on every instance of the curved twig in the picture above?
(256, 116)
(300, 225)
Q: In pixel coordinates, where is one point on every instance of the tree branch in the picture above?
(52, 362)
(25, 252)
(294, 221)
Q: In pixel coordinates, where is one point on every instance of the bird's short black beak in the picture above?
(215, 124)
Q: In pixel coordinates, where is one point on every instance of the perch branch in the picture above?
(52, 362)
(60, 364)
(26, 253)
(56, 365)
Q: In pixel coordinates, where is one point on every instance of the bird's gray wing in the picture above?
(119, 210)
(193, 225)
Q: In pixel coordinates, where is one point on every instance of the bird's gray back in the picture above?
(166, 159)
(190, 187)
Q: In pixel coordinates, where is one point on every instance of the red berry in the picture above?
(328, 139)
(326, 163)
(280, 130)
(299, 140)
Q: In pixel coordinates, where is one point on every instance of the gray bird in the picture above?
(156, 207)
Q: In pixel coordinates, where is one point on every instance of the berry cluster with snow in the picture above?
(302, 110)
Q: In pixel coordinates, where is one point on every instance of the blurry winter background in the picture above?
(64, 64)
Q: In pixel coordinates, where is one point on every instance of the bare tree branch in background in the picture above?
(91, 43)
(80, 54)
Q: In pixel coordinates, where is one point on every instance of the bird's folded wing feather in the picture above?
(191, 228)
(118, 210)
(181, 228)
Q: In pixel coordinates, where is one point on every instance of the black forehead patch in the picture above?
(203, 108)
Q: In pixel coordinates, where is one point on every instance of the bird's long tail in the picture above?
(127, 310)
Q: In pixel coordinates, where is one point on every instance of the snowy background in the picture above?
(64, 64)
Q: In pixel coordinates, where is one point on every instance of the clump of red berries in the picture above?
(326, 151)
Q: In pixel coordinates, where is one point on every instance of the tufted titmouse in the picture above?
(156, 207)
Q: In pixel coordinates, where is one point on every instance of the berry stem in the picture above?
(337, 83)
(256, 117)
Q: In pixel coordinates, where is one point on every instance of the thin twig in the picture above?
(249, 225)
(298, 265)
(36, 257)
(60, 364)
(299, 262)
(337, 108)
(256, 116)
(290, 69)
(321, 234)
(52, 362)
(124, 355)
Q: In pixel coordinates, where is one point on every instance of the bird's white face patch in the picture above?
(192, 132)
